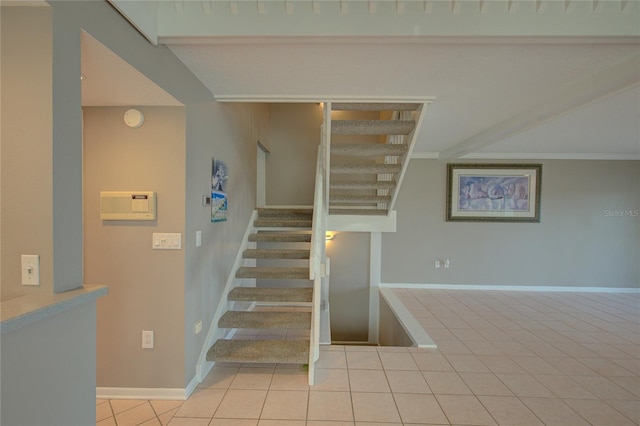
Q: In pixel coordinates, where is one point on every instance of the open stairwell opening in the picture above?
(275, 307)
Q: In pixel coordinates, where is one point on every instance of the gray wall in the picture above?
(577, 243)
(48, 371)
(209, 129)
(291, 166)
(26, 169)
(145, 286)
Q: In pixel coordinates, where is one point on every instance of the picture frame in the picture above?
(493, 192)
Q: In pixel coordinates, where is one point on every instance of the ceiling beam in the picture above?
(580, 94)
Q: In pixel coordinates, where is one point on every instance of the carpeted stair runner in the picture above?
(273, 273)
(368, 149)
(266, 319)
(292, 226)
(372, 127)
(276, 254)
(374, 106)
(295, 295)
(260, 351)
(388, 155)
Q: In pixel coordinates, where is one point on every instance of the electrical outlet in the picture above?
(147, 339)
(437, 264)
(197, 328)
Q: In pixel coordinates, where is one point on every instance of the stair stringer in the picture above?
(203, 367)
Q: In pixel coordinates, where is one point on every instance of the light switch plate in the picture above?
(166, 241)
(30, 264)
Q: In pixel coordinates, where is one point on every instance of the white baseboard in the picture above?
(144, 393)
(513, 288)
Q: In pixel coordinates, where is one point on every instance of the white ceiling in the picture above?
(515, 93)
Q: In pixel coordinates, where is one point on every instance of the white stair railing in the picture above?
(318, 258)
(410, 140)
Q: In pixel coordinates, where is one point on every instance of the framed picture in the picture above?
(219, 198)
(493, 192)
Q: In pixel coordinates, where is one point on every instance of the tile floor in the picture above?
(503, 358)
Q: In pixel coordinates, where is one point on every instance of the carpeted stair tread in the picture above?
(369, 149)
(275, 254)
(372, 127)
(280, 237)
(361, 184)
(374, 107)
(266, 319)
(260, 351)
(364, 212)
(297, 213)
(358, 168)
(344, 198)
(271, 294)
(282, 223)
(275, 273)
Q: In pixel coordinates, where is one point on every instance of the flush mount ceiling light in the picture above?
(133, 118)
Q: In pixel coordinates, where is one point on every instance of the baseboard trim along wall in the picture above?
(485, 287)
(180, 394)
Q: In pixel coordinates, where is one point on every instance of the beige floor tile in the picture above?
(632, 384)
(464, 410)
(446, 383)
(467, 364)
(162, 406)
(507, 410)
(103, 410)
(219, 378)
(188, 421)
(165, 418)
(501, 364)
(374, 407)
(119, 405)
(535, 365)
(554, 412)
(368, 381)
(525, 385)
(485, 384)
(282, 423)
(598, 413)
(423, 409)
(332, 359)
(570, 366)
(331, 380)
(362, 360)
(290, 379)
(513, 348)
(252, 378)
(630, 409)
(135, 415)
(151, 422)
(241, 404)
(233, 422)
(397, 361)
(201, 403)
(453, 347)
(407, 382)
(109, 421)
(564, 387)
(285, 405)
(334, 406)
(328, 423)
(606, 367)
(604, 388)
(431, 362)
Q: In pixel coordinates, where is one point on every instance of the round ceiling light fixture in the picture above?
(133, 118)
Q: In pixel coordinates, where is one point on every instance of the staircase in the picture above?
(369, 149)
(282, 299)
